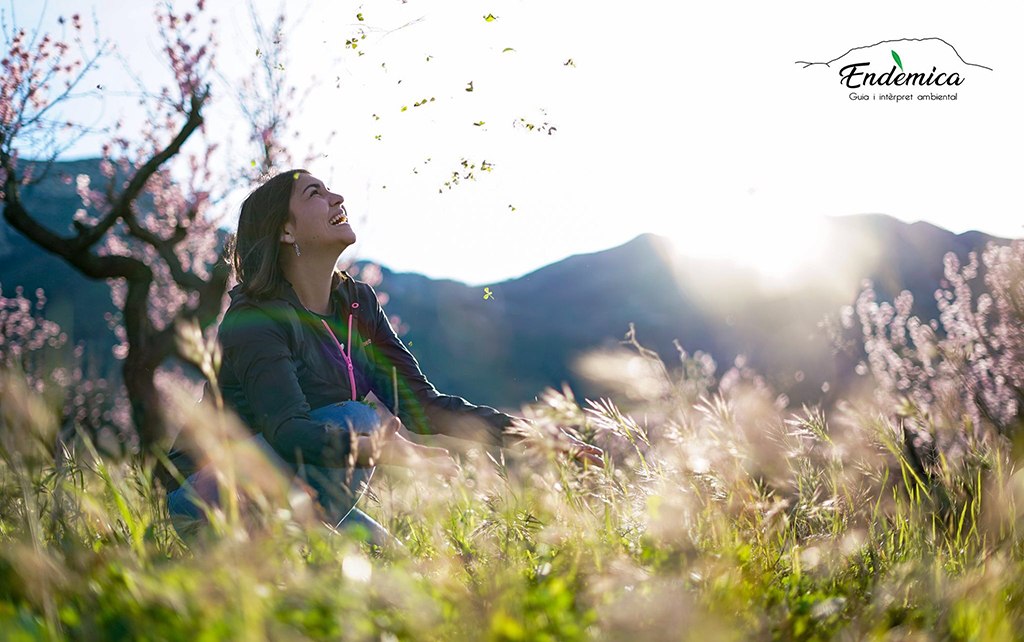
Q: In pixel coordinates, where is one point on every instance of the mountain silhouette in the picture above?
(503, 351)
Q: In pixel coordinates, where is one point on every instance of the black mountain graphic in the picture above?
(891, 43)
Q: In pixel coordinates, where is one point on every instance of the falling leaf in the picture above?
(478, 124)
(899, 62)
(359, 16)
(470, 87)
(376, 117)
(569, 63)
(377, 136)
(507, 49)
(490, 18)
(511, 208)
(253, 163)
(295, 176)
(257, 52)
(428, 58)
(404, 107)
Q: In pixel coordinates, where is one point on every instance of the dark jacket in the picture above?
(279, 362)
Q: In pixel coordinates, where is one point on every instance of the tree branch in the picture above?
(75, 249)
(122, 208)
(166, 250)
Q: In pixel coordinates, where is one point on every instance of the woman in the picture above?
(284, 339)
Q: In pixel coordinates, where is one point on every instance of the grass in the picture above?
(721, 518)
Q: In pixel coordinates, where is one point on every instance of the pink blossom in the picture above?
(975, 367)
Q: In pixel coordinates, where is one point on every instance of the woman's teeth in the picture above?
(338, 219)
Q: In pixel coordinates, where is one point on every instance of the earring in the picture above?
(296, 246)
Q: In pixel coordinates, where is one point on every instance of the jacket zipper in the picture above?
(347, 357)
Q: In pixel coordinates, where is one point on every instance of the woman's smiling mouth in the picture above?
(340, 217)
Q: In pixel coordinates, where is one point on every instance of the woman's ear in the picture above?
(286, 234)
(286, 230)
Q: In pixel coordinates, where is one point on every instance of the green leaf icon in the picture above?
(896, 57)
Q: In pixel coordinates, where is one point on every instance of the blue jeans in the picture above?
(336, 493)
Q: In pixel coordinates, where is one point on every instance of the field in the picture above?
(720, 514)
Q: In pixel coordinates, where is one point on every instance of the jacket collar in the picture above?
(289, 295)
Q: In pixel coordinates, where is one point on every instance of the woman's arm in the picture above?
(422, 409)
(257, 351)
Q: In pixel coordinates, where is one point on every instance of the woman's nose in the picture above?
(338, 198)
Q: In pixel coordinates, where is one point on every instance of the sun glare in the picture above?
(783, 252)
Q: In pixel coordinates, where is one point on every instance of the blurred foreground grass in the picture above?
(721, 518)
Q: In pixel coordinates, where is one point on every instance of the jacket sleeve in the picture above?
(422, 409)
(257, 350)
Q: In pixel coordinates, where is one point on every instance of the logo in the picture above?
(877, 71)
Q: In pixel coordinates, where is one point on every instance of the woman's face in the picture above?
(317, 219)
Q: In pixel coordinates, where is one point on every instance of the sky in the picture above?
(690, 120)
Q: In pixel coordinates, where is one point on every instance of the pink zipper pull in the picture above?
(350, 337)
(348, 359)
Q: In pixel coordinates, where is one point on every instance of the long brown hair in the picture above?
(256, 245)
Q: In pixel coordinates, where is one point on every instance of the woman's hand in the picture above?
(399, 451)
(396, 450)
(565, 443)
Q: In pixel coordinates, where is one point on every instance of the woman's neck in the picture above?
(311, 281)
(315, 299)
